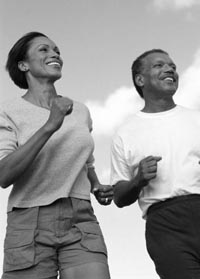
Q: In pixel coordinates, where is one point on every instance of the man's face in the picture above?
(159, 75)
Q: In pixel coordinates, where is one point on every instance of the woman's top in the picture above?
(60, 168)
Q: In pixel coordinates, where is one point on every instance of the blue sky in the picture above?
(99, 39)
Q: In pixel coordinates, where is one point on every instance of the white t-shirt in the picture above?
(175, 136)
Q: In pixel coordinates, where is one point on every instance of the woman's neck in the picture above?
(41, 95)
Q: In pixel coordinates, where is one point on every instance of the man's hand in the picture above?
(147, 170)
(103, 194)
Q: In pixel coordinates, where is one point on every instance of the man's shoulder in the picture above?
(188, 111)
(130, 123)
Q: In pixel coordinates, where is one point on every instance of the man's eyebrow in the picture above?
(160, 60)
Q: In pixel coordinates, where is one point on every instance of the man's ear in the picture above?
(22, 66)
(139, 80)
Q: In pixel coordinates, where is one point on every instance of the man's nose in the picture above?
(169, 68)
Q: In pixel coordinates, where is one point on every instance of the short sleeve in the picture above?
(8, 136)
(119, 167)
(90, 122)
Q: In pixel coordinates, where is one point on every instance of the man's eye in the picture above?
(158, 65)
(43, 49)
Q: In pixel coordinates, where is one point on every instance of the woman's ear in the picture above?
(22, 66)
(139, 80)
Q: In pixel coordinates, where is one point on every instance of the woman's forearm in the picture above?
(92, 176)
(14, 165)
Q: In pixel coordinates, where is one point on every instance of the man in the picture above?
(155, 160)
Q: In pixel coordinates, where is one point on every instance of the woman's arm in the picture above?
(103, 193)
(94, 181)
(14, 165)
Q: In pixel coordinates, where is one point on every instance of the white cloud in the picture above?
(110, 114)
(189, 88)
(177, 4)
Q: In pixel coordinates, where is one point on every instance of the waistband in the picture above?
(161, 204)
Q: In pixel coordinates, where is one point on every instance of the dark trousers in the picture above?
(173, 237)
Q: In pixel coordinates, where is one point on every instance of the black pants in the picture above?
(173, 237)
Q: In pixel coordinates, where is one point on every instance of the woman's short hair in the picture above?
(18, 53)
(138, 65)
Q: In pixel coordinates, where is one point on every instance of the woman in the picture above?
(46, 154)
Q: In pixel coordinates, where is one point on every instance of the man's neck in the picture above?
(153, 106)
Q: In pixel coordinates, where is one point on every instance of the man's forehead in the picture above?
(158, 56)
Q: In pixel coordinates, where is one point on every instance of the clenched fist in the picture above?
(60, 107)
(147, 170)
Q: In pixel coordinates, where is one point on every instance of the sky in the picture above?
(99, 39)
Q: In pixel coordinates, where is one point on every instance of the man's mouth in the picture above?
(170, 79)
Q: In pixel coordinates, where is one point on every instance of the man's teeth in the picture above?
(169, 78)
(54, 63)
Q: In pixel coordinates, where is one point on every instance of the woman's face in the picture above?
(43, 60)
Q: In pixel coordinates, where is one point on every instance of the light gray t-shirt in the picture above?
(60, 168)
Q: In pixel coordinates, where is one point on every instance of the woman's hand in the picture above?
(103, 194)
(60, 107)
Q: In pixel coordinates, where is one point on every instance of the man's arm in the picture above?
(127, 192)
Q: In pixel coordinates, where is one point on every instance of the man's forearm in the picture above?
(126, 192)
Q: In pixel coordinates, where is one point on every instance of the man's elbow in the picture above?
(4, 183)
(4, 186)
(118, 202)
(122, 201)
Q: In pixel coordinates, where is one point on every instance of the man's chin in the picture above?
(170, 91)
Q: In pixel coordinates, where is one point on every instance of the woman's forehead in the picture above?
(36, 42)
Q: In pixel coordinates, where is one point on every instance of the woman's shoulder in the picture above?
(10, 104)
(13, 108)
(81, 106)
